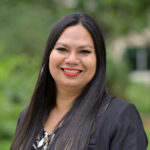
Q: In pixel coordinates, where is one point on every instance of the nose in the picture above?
(72, 59)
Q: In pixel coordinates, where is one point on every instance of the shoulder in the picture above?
(118, 107)
(23, 112)
(113, 107)
(21, 117)
(120, 112)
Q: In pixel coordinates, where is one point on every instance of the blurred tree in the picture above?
(117, 77)
(24, 28)
(115, 16)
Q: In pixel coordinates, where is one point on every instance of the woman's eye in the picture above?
(61, 49)
(85, 51)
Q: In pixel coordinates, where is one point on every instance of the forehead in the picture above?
(77, 33)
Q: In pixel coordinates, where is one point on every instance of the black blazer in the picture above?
(118, 127)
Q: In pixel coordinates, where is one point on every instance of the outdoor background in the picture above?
(24, 29)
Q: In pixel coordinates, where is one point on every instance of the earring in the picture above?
(41, 70)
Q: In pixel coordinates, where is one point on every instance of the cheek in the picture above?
(91, 65)
(93, 68)
(50, 62)
(54, 61)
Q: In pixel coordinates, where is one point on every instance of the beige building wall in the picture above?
(133, 40)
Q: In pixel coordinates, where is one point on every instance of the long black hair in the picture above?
(77, 128)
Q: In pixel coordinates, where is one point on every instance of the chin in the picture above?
(73, 85)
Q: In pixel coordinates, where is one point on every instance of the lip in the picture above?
(72, 72)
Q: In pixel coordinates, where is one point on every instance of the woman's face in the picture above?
(72, 62)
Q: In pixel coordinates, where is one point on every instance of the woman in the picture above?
(70, 108)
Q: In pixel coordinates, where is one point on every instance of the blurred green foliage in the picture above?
(148, 135)
(139, 94)
(24, 28)
(117, 79)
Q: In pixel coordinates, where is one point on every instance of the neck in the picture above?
(66, 97)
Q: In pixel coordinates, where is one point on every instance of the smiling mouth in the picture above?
(71, 72)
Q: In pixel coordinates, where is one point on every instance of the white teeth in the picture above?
(71, 71)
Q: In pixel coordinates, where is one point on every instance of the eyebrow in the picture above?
(82, 46)
(86, 46)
